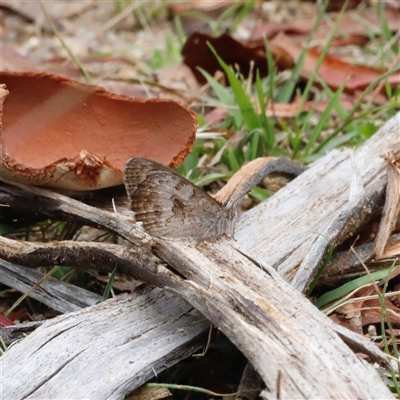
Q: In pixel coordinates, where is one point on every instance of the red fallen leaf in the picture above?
(4, 321)
(353, 324)
(353, 320)
(216, 115)
(333, 70)
(196, 53)
(17, 314)
(371, 313)
(362, 355)
(61, 133)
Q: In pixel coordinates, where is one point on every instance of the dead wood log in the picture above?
(103, 351)
(290, 343)
(65, 297)
(227, 290)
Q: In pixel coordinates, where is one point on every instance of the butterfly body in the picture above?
(171, 207)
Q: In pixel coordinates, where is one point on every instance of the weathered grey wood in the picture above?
(12, 333)
(104, 351)
(291, 344)
(70, 253)
(356, 213)
(276, 328)
(293, 219)
(86, 255)
(58, 295)
(346, 265)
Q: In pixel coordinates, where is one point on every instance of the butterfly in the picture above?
(171, 207)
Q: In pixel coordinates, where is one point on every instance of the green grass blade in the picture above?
(287, 90)
(321, 270)
(246, 9)
(179, 30)
(333, 144)
(259, 193)
(267, 126)
(233, 162)
(349, 287)
(254, 148)
(323, 120)
(224, 96)
(320, 60)
(206, 179)
(108, 288)
(341, 112)
(250, 117)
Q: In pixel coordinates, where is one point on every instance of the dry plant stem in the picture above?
(190, 389)
(68, 50)
(86, 255)
(29, 291)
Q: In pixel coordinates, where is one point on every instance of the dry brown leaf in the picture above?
(179, 78)
(392, 250)
(372, 313)
(332, 70)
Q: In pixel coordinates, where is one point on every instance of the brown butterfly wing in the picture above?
(169, 206)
